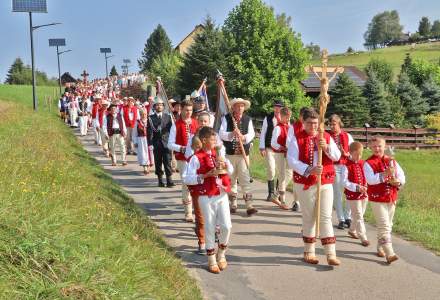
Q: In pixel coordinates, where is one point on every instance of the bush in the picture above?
(433, 121)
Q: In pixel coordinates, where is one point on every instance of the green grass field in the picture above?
(417, 216)
(66, 229)
(393, 55)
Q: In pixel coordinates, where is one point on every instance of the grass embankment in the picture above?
(66, 229)
(393, 55)
(417, 215)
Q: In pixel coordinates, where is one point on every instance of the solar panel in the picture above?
(105, 50)
(126, 61)
(57, 42)
(37, 6)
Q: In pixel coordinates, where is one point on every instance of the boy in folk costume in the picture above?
(355, 185)
(283, 172)
(130, 112)
(343, 141)
(384, 178)
(269, 123)
(302, 156)
(115, 130)
(211, 185)
(231, 137)
(141, 142)
(102, 113)
(179, 135)
(203, 119)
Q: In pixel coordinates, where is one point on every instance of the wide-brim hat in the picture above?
(105, 102)
(171, 101)
(278, 102)
(247, 103)
(97, 96)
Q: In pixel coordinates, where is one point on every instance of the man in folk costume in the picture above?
(343, 141)
(95, 121)
(141, 141)
(270, 121)
(283, 172)
(115, 130)
(83, 115)
(384, 178)
(179, 135)
(130, 113)
(158, 132)
(102, 113)
(200, 106)
(62, 106)
(211, 189)
(231, 137)
(302, 157)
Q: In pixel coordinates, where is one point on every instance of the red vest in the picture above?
(211, 185)
(306, 146)
(182, 134)
(281, 139)
(141, 128)
(341, 141)
(382, 192)
(101, 113)
(95, 108)
(110, 124)
(297, 127)
(355, 175)
(126, 112)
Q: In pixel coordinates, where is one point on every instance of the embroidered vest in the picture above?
(233, 147)
(141, 128)
(183, 131)
(282, 137)
(110, 124)
(126, 111)
(341, 141)
(355, 175)
(382, 192)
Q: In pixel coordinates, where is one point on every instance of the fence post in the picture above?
(415, 132)
(366, 126)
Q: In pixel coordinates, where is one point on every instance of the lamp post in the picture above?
(58, 43)
(30, 6)
(105, 51)
(126, 61)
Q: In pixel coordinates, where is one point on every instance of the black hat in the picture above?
(199, 99)
(278, 102)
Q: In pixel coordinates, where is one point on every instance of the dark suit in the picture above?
(158, 133)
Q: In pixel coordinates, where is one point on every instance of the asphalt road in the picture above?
(265, 253)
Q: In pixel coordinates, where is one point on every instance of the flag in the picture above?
(203, 92)
(222, 109)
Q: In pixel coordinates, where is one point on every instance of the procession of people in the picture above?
(214, 164)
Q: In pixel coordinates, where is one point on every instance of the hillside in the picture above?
(394, 55)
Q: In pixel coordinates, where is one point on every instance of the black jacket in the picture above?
(159, 130)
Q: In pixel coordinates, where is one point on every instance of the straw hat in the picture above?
(247, 103)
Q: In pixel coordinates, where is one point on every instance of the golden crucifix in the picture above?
(324, 100)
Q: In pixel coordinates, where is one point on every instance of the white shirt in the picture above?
(263, 145)
(375, 178)
(275, 134)
(172, 138)
(190, 176)
(228, 136)
(300, 167)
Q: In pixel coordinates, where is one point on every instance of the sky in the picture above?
(124, 26)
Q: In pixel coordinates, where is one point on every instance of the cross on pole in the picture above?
(324, 100)
(85, 76)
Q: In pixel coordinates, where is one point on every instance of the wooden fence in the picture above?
(397, 137)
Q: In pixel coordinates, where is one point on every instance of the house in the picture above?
(311, 85)
(66, 78)
(184, 45)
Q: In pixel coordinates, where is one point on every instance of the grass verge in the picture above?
(66, 229)
(418, 208)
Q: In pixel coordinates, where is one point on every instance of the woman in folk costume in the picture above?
(384, 178)
(343, 141)
(83, 116)
(283, 172)
(231, 140)
(302, 156)
(141, 142)
(179, 135)
(212, 187)
(73, 111)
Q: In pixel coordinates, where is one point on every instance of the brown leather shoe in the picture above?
(233, 209)
(332, 260)
(124, 163)
(222, 264)
(189, 219)
(365, 243)
(284, 206)
(251, 211)
(353, 235)
(392, 258)
(380, 253)
(310, 258)
(113, 164)
(214, 269)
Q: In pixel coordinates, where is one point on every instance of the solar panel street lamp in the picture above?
(58, 43)
(32, 6)
(126, 61)
(105, 51)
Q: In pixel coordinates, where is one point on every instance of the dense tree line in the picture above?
(21, 74)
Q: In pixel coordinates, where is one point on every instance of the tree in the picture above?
(266, 58)
(414, 105)
(167, 67)
(431, 93)
(383, 28)
(203, 59)
(20, 74)
(348, 102)
(376, 94)
(421, 70)
(350, 50)
(424, 27)
(382, 69)
(14, 72)
(435, 29)
(157, 44)
(406, 63)
(113, 71)
(314, 50)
